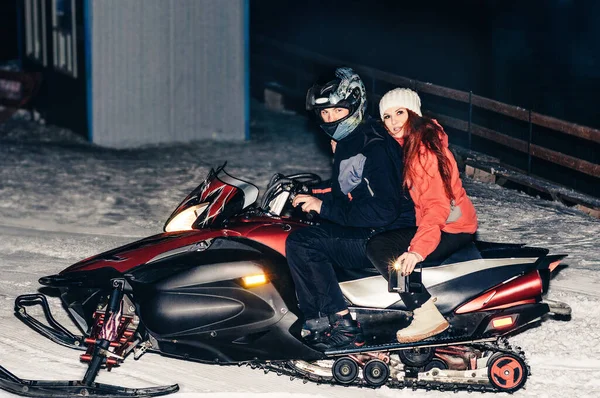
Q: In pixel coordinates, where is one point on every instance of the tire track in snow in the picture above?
(566, 364)
(586, 287)
(36, 231)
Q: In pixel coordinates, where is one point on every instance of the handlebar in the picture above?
(293, 184)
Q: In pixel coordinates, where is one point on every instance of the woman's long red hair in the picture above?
(423, 131)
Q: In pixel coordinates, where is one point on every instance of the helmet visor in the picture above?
(324, 96)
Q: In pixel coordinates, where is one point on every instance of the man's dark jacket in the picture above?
(366, 184)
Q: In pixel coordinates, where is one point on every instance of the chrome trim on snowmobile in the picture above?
(198, 246)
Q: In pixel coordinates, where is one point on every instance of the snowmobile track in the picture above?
(284, 368)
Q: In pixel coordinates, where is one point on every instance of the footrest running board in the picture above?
(431, 342)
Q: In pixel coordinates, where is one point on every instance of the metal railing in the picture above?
(296, 68)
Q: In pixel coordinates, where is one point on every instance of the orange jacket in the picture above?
(432, 206)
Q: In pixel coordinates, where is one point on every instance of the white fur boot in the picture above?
(427, 321)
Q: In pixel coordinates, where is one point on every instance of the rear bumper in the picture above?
(558, 307)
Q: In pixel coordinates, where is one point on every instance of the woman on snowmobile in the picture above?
(446, 219)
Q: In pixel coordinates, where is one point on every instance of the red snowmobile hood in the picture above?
(139, 252)
(268, 231)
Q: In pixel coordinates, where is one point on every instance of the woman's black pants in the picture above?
(386, 247)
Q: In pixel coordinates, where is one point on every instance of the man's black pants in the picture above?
(313, 253)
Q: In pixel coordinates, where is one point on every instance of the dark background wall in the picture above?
(539, 54)
(542, 55)
(8, 30)
(546, 56)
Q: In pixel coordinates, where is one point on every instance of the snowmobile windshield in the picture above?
(218, 197)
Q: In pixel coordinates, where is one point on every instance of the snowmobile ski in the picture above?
(98, 355)
(70, 389)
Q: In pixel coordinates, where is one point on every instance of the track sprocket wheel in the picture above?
(507, 372)
(416, 357)
(436, 363)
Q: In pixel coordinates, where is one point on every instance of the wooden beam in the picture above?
(580, 165)
(499, 107)
(577, 130)
(444, 92)
(571, 162)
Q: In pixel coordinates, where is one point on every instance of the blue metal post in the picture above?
(87, 26)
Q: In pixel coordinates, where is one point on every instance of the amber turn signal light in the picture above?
(254, 280)
(502, 322)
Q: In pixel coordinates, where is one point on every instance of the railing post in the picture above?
(470, 115)
(529, 145)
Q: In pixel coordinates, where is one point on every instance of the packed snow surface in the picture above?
(63, 199)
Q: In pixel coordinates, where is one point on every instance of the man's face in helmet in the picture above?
(330, 115)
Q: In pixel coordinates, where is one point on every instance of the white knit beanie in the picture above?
(400, 98)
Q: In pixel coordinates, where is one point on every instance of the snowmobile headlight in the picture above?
(184, 220)
(254, 280)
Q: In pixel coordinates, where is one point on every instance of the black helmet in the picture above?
(346, 91)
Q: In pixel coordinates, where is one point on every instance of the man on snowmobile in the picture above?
(363, 197)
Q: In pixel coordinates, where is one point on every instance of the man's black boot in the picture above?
(315, 330)
(345, 333)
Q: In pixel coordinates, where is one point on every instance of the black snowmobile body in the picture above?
(215, 287)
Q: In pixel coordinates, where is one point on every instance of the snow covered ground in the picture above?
(62, 199)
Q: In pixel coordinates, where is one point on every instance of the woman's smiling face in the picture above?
(394, 119)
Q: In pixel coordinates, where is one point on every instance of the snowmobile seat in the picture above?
(454, 280)
(368, 288)
(468, 252)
